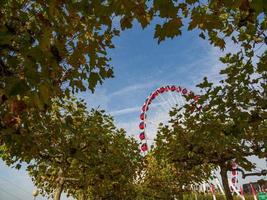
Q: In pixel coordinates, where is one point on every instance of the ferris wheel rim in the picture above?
(157, 92)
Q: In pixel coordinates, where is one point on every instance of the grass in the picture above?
(209, 197)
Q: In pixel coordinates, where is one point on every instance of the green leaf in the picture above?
(166, 7)
(18, 87)
(45, 92)
(126, 23)
(37, 102)
(6, 38)
(169, 30)
(258, 5)
(205, 83)
(94, 78)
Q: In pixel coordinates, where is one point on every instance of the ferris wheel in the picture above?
(156, 108)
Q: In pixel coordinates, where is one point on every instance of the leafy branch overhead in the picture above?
(50, 49)
(242, 21)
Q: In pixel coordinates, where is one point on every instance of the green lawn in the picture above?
(209, 197)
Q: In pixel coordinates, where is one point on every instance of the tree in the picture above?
(161, 179)
(46, 46)
(49, 49)
(158, 181)
(232, 123)
(230, 126)
(84, 155)
(242, 21)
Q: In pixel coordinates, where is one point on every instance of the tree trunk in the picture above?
(225, 183)
(81, 196)
(59, 189)
(60, 183)
(180, 196)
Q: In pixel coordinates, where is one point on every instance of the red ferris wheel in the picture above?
(160, 101)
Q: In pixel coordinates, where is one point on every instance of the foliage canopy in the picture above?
(50, 49)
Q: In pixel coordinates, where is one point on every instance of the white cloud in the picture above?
(213, 65)
(125, 111)
(210, 65)
(134, 109)
(132, 88)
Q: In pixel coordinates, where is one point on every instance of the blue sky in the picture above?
(140, 66)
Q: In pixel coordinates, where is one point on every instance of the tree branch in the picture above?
(244, 175)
